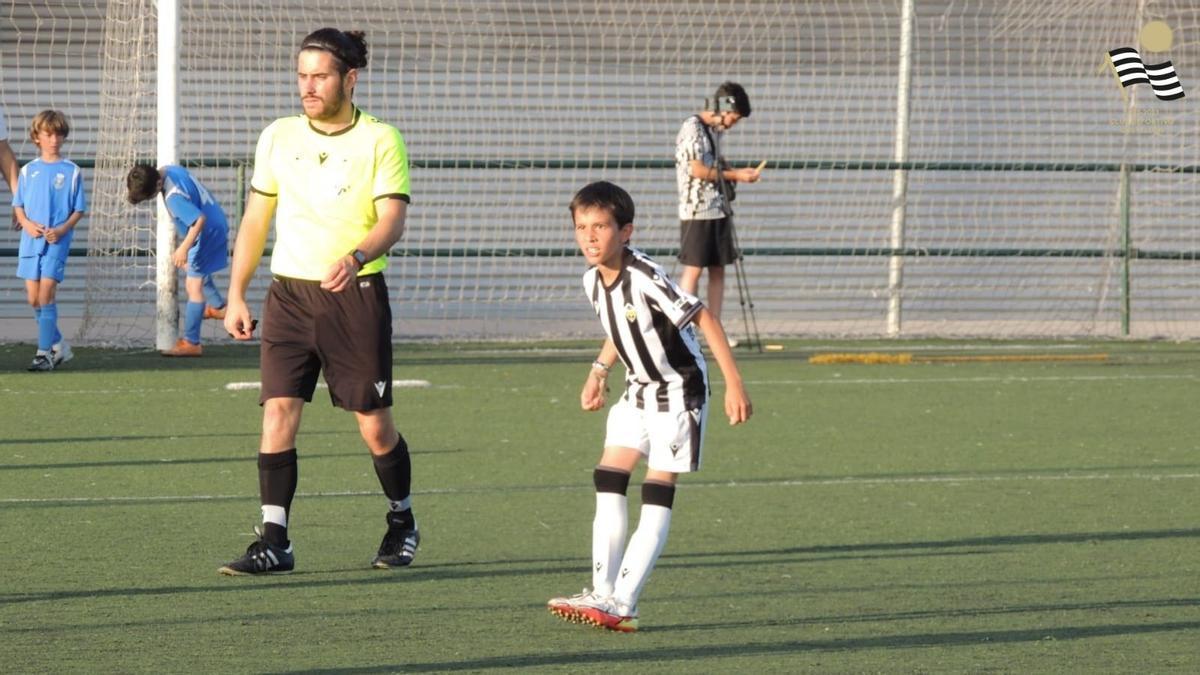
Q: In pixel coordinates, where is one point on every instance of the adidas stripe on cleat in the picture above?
(399, 545)
(261, 558)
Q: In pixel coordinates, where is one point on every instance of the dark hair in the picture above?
(605, 195)
(741, 102)
(348, 47)
(141, 183)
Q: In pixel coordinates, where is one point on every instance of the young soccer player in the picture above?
(49, 202)
(650, 323)
(203, 248)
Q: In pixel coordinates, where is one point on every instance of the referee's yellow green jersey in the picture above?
(327, 186)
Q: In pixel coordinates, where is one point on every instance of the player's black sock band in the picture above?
(610, 480)
(658, 494)
(277, 477)
(395, 471)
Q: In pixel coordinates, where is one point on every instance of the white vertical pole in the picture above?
(167, 311)
(900, 176)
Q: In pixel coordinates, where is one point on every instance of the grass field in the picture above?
(974, 516)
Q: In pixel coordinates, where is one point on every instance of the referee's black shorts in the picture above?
(307, 329)
(707, 243)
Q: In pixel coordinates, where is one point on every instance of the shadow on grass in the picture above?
(972, 542)
(922, 615)
(357, 576)
(695, 653)
(546, 566)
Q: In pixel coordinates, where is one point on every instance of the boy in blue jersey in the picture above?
(203, 242)
(48, 203)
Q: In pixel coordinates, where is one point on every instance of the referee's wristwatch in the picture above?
(359, 257)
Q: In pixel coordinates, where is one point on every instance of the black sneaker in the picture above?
(261, 558)
(399, 545)
(41, 363)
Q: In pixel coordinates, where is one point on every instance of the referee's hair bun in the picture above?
(359, 40)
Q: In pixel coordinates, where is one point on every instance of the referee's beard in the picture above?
(325, 110)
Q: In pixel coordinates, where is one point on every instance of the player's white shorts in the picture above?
(670, 440)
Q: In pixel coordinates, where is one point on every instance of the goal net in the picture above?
(1042, 198)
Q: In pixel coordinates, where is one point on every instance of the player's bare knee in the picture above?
(281, 420)
(378, 431)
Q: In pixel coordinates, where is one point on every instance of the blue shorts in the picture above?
(209, 255)
(37, 267)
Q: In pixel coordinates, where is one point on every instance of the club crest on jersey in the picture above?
(59, 181)
(630, 312)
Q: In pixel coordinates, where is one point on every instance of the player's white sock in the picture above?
(608, 540)
(608, 527)
(646, 543)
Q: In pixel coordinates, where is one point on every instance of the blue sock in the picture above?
(48, 326)
(191, 323)
(212, 295)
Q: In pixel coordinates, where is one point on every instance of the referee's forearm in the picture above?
(388, 229)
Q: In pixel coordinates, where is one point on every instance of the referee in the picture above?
(336, 181)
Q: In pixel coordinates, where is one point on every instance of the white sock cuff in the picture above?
(401, 505)
(274, 514)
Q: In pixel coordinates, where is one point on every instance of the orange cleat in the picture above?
(610, 615)
(211, 312)
(183, 348)
(568, 608)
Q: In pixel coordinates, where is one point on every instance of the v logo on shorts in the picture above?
(380, 386)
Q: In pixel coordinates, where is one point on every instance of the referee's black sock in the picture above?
(395, 476)
(277, 477)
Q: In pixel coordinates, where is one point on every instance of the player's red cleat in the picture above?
(211, 312)
(183, 348)
(568, 608)
(611, 615)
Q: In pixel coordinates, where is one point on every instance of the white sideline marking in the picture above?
(410, 384)
(802, 482)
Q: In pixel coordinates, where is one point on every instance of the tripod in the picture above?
(749, 319)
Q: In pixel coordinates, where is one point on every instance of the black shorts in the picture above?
(707, 243)
(348, 335)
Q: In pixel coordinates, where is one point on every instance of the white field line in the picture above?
(801, 482)
(964, 380)
(396, 384)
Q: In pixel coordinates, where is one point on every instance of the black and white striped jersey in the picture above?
(649, 319)
(698, 199)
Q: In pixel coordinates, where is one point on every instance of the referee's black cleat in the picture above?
(399, 545)
(261, 558)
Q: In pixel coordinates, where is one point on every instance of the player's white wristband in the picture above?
(599, 365)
